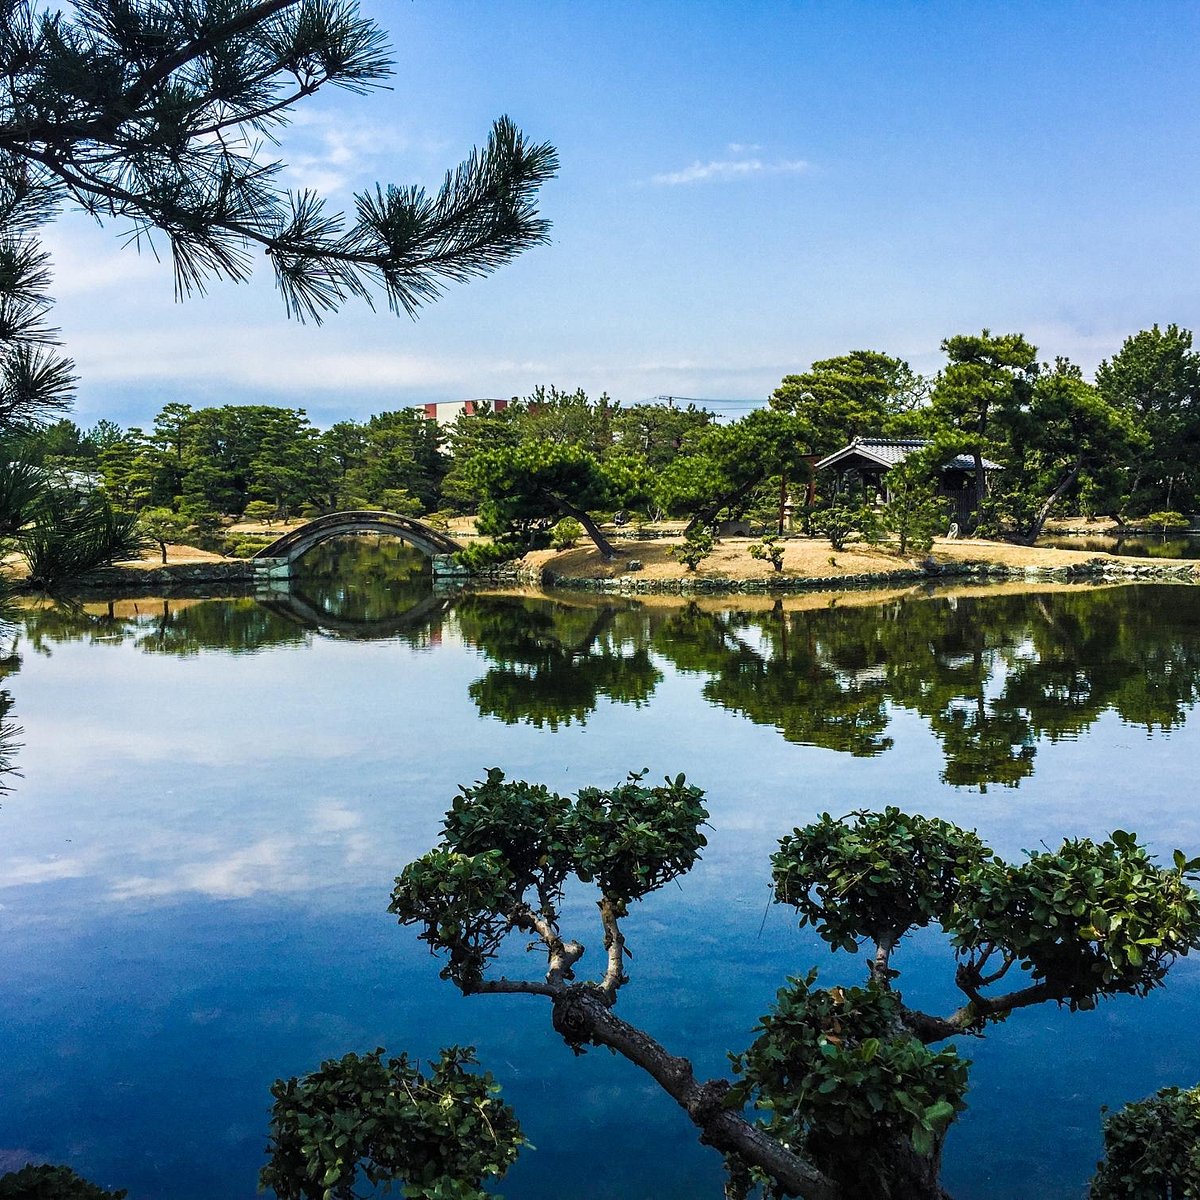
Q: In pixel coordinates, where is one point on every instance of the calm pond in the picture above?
(216, 795)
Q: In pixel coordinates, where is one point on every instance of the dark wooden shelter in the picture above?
(860, 470)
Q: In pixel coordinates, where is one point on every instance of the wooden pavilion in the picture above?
(860, 470)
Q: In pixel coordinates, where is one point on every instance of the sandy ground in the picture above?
(175, 554)
(804, 558)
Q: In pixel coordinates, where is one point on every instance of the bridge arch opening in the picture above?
(281, 555)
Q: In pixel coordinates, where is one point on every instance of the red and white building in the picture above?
(446, 412)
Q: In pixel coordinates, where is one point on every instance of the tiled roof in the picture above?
(887, 452)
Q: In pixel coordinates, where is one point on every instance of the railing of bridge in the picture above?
(363, 520)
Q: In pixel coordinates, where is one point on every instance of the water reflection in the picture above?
(1147, 545)
(199, 858)
(992, 676)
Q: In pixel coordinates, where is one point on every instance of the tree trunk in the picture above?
(584, 518)
(1035, 528)
(980, 487)
(706, 515)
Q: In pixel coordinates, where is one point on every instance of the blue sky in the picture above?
(745, 187)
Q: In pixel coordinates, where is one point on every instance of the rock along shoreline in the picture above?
(241, 574)
(1092, 570)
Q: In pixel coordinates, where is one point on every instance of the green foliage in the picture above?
(1088, 921)
(856, 394)
(632, 840)
(262, 511)
(22, 486)
(720, 467)
(479, 556)
(73, 534)
(657, 432)
(566, 533)
(140, 112)
(1091, 920)
(52, 1183)
(914, 512)
(503, 840)
(1162, 521)
(1154, 380)
(536, 481)
(1152, 1150)
(697, 545)
(440, 1135)
(162, 526)
(769, 550)
(245, 546)
(840, 519)
(836, 1068)
(874, 874)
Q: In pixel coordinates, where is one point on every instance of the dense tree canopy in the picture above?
(858, 394)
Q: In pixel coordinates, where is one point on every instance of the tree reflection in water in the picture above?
(991, 675)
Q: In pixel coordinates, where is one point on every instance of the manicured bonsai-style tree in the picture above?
(846, 1091)
(769, 550)
(162, 526)
(696, 546)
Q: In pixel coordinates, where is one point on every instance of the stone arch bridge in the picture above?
(278, 560)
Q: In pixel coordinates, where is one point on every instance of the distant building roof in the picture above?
(887, 452)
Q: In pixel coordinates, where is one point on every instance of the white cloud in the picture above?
(730, 170)
(330, 153)
(89, 260)
(741, 148)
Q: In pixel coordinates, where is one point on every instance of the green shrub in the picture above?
(1162, 521)
(51, 1183)
(769, 550)
(840, 519)
(696, 547)
(244, 546)
(478, 556)
(262, 511)
(566, 533)
(1151, 1149)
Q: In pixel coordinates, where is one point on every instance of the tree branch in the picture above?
(515, 987)
(582, 1016)
(880, 972)
(614, 943)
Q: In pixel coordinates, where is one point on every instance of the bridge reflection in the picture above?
(301, 609)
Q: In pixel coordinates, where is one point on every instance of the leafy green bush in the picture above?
(441, 1134)
(831, 1065)
(1162, 521)
(51, 1183)
(840, 519)
(261, 511)
(566, 533)
(245, 547)
(696, 547)
(478, 556)
(914, 512)
(769, 550)
(1152, 1149)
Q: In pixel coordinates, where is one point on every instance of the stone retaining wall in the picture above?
(1092, 570)
(240, 571)
(1099, 568)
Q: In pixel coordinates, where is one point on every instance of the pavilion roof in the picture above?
(887, 452)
